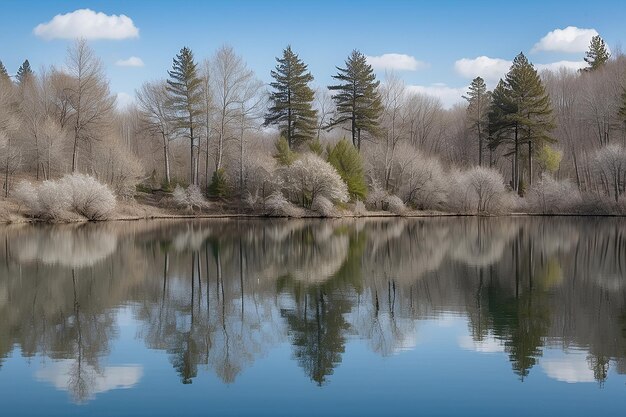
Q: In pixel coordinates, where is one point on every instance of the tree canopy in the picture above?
(356, 97)
(291, 101)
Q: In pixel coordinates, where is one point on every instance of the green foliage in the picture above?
(284, 155)
(185, 98)
(4, 75)
(549, 159)
(316, 147)
(520, 113)
(597, 55)
(292, 100)
(356, 97)
(478, 99)
(23, 72)
(218, 186)
(142, 188)
(167, 186)
(349, 164)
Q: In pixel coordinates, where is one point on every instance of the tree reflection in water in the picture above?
(218, 294)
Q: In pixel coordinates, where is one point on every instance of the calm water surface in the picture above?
(511, 316)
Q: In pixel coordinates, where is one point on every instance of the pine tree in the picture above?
(502, 127)
(292, 100)
(24, 72)
(534, 109)
(185, 98)
(521, 113)
(357, 99)
(477, 112)
(4, 75)
(597, 55)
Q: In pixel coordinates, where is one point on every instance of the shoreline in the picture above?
(18, 218)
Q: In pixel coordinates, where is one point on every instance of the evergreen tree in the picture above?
(185, 99)
(23, 72)
(477, 112)
(348, 163)
(357, 99)
(534, 109)
(4, 75)
(292, 100)
(597, 55)
(502, 128)
(521, 113)
(284, 155)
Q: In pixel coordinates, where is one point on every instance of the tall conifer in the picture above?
(292, 100)
(356, 97)
(185, 98)
(597, 55)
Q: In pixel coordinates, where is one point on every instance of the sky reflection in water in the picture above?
(437, 316)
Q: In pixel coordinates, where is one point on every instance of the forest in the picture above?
(210, 137)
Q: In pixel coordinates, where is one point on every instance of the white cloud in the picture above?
(133, 61)
(449, 96)
(61, 375)
(124, 100)
(488, 345)
(554, 66)
(87, 24)
(571, 40)
(571, 369)
(490, 69)
(398, 62)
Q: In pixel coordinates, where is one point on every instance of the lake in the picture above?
(435, 316)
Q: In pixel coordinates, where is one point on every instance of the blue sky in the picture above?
(438, 42)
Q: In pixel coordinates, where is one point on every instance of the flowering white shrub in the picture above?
(359, 208)
(310, 177)
(324, 207)
(552, 196)
(376, 197)
(394, 204)
(380, 199)
(89, 197)
(26, 193)
(477, 190)
(78, 193)
(189, 198)
(277, 205)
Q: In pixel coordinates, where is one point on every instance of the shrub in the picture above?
(359, 208)
(376, 197)
(346, 159)
(324, 207)
(551, 196)
(478, 190)
(26, 193)
(277, 205)
(284, 155)
(310, 177)
(81, 194)
(394, 204)
(189, 198)
(89, 197)
(420, 180)
(218, 186)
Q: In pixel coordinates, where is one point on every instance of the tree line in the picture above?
(538, 137)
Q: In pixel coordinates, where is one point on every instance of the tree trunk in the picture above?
(516, 163)
(530, 163)
(166, 158)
